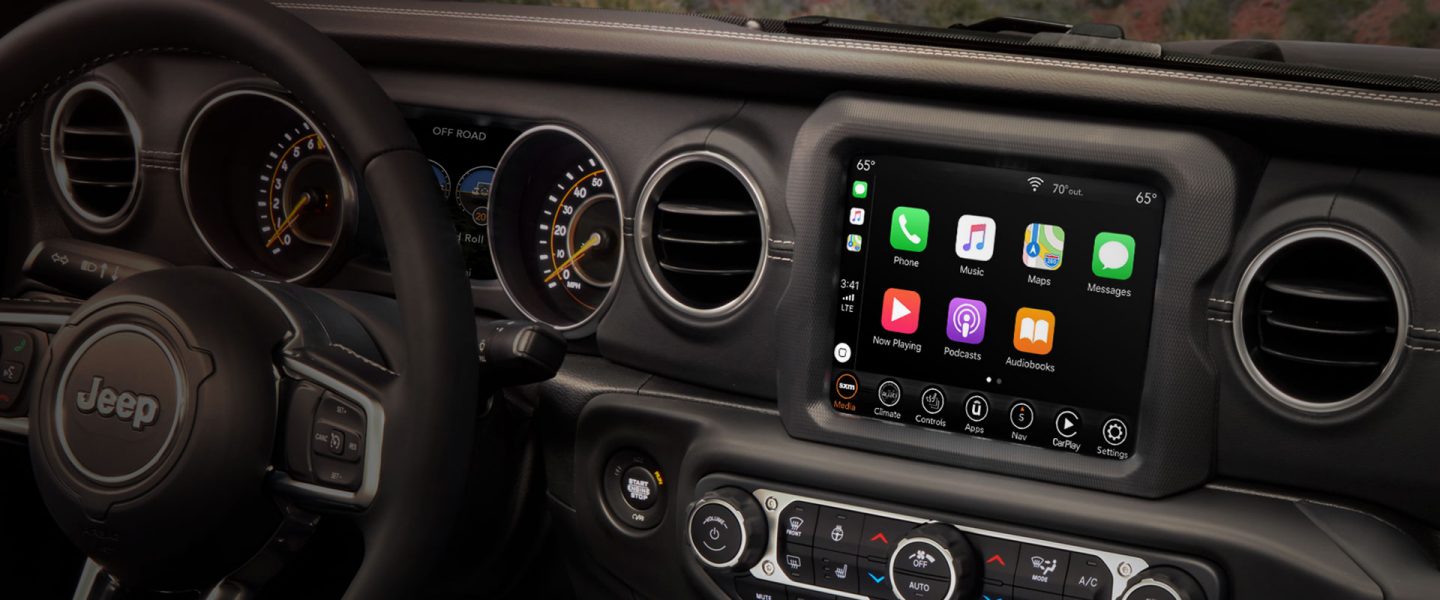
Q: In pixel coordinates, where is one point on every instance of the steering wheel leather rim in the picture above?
(419, 493)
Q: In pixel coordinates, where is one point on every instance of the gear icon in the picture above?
(1115, 432)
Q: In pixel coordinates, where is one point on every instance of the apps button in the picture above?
(1034, 331)
(967, 321)
(909, 228)
(1114, 256)
(900, 311)
(977, 408)
(1022, 415)
(1067, 423)
(1044, 247)
(932, 400)
(975, 238)
(888, 393)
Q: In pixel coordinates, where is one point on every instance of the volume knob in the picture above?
(933, 562)
(727, 530)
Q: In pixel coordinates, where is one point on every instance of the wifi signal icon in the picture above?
(1035, 183)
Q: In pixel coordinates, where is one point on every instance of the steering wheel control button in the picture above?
(1067, 423)
(1115, 432)
(837, 571)
(1164, 583)
(1089, 578)
(889, 393)
(641, 488)
(797, 523)
(17, 348)
(932, 400)
(1041, 568)
(798, 562)
(727, 530)
(337, 445)
(1022, 415)
(11, 371)
(880, 535)
(997, 557)
(839, 530)
(977, 408)
(634, 489)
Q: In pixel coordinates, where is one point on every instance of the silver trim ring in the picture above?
(181, 402)
(619, 213)
(63, 109)
(1402, 307)
(349, 203)
(1154, 583)
(643, 218)
(739, 522)
(944, 554)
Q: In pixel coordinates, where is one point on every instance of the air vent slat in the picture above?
(95, 154)
(1321, 319)
(705, 234)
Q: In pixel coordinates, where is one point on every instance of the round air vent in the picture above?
(94, 147)
(702, 231)
(1320, 320)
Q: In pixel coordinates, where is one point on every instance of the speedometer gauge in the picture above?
(555, 227)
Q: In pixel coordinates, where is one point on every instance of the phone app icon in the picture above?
(1044, 246)
(975, 237)
(901, 312)
(1114, 256)
(857, 216)
(967, 321)
(909, 228)
(853, 242)
(1034, 331)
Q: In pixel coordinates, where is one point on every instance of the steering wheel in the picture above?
(175, 433)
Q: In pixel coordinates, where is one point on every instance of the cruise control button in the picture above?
(715, 531)
(1022, 415)
(1115, 432)
(1042, 568)
(836, 571)
(932, 400)
(880, 535)
(798, 563)
(1089, 578)
(997, 557)
(641, 489)
(1067, 423)
(977, 408)
(328, 441)
(354, 447)
(888, 393)
(797, 522)
(914, 587)
(336, 473)
(838, 530)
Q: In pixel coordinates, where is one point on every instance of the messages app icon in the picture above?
(909, 228)
(1114, 256)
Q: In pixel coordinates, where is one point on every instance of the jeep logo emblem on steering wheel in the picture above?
(139, 409)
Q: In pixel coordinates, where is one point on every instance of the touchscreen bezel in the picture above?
(1199, 182)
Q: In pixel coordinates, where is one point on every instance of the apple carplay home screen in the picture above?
(1006, 304)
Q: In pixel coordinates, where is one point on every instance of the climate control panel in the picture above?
(784, 546)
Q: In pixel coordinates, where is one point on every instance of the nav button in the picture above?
(977, 408)
(889, 393)
(1067, 423)
(932, 400)
(1022, 415)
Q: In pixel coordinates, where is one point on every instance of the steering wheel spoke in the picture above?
(96, 583)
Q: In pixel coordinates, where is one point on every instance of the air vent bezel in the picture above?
(1402, 325)
(95, 222)
(644, 218)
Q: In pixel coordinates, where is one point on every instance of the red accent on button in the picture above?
(994, 559)
(880, 536)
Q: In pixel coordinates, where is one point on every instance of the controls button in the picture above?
(336, 473)
(1067, 423)
(997, 558)
(836, 571)
(641, 489)
(1115, 432)
(838, 530)
(888, 393)
(1041, 568)
(1089, 578)
(977, 408)
(1024, 594)
(753, 589)
(922, 556)
(991, 591)
(11, 371)
(842, 352)
(875, 579)
(932, 400)
(880, 535)
(798, 562)
(797, 522)
(846, 386)
(717, 534)
(914, 587)
(799, 594)
(1022, 415)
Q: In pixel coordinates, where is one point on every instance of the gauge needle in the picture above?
(589, 243)
(289, 220)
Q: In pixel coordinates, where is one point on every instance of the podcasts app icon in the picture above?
(967, 321)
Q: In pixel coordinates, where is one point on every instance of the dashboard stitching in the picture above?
(1218, 320)
(780, 258)
(892, 48)
(362, 358)
(1421, 349)
(1222, 301)
(161, 167)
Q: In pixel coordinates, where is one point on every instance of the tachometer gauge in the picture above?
(265, 189)
(555, 227)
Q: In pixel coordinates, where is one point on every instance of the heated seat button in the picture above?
(798, 562)
(1088, 579)
(797, 522)
(1041, 568)
(915, 587)
(880, 535)
(641, 489)
(997, 558)
(836, 571)
(838, 530)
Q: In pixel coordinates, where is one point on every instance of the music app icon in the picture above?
(975, 238)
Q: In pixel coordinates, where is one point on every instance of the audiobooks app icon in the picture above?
(1034, 330)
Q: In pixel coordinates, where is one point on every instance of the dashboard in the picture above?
(1078, 334)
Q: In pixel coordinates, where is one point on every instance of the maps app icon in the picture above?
(1044, 246)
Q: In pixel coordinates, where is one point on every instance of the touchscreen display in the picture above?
(1006, 304)
(464, 150)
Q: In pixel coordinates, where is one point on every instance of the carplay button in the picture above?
(1067, 424)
